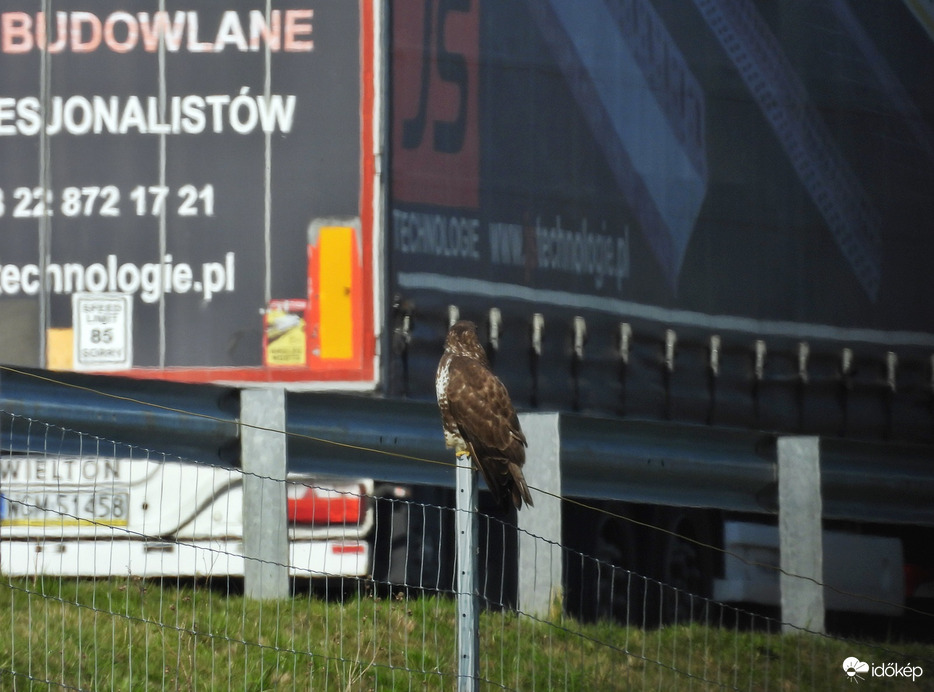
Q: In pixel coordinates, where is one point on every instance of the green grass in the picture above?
(130, 634)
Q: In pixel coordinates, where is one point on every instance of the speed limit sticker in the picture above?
(103, 331)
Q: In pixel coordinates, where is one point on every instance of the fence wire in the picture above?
(123, 570)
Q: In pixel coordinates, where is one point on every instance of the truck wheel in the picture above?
(603, 582)
(684, 565)
(407, 555)
(623, 593)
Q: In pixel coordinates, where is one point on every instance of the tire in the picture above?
(407, 556)
(603, 580)
(683, 566)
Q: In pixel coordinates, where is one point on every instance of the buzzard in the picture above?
(478, 417)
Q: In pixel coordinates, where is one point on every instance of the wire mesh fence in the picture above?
(124, 569)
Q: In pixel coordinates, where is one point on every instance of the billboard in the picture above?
(180, 155)
(686, 178)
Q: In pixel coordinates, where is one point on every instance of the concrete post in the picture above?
(539, 583)
(265, 527)
(800, 534)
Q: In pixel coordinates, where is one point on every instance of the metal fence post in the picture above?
(539, 583)
(265, 529)
(800, 534)
(468, 618)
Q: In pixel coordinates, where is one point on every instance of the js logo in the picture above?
(435, 80)
(452, 68)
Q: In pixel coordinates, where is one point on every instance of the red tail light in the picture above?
(348, 548)
(323, 507)
(915, 576)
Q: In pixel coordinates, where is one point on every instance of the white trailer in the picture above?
(97, 516)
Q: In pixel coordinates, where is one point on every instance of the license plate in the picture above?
(76, 508)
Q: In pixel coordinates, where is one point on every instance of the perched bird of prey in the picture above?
(478, 417)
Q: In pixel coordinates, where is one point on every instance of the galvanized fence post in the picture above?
(468, 618)
(265, 528)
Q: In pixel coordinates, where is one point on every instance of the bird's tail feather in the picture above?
(496, 485)
(509, 484)
(520, 489)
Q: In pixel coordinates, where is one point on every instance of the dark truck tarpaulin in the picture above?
(720, 211)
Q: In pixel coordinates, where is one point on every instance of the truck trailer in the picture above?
(675, 223)
(98, 516)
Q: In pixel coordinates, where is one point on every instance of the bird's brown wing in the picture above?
(481, 406)
(487, 421)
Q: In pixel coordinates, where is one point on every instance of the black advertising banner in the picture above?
(176, 153)
(730, 168)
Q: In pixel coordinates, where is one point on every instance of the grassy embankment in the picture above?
(130, 634)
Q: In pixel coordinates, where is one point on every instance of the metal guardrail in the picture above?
(142, 413)
(400, 441)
